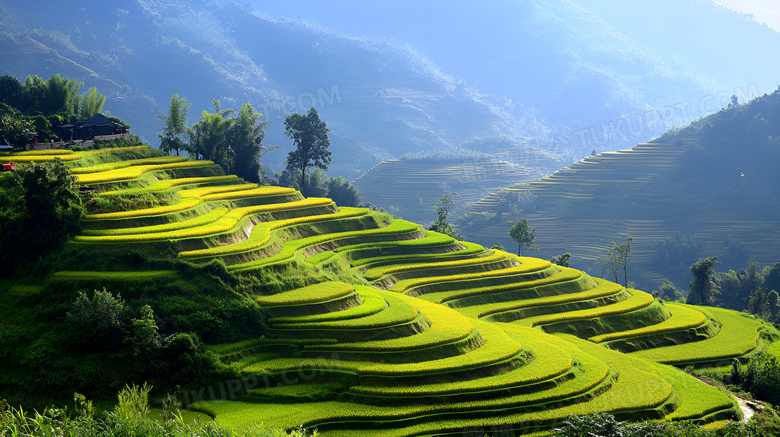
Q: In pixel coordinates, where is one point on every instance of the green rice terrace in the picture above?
(393, 330)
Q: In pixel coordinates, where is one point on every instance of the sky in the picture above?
(763, 11)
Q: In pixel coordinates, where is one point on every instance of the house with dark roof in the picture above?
(94, 126)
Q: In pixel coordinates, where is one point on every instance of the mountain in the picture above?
(380, 100)
(386, 78)
(578, 64)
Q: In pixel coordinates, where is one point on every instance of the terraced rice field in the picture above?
(582, 208)
(411, 188)
(402, 331)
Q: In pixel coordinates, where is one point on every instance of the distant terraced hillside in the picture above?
(411, 188)
(396, 331)
(712, 181)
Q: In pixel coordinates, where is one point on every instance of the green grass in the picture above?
(291, 247)
(499, 347)
(527, 265)
(739, 335)
(100, 167)
(205, 191)
(261, 233)
(166, 184)
(201, 220)
(697, 399)
(502, 292)
(602, 289)
(225, 223)
(322, 292)
(255, 192)
(682, 318)
(376, 261)
(397, 312)
(372, 304)
(157, 210)
(446, 326)
(638, 300)
(114, 275)
(378, 272)
(235, 414)
(134, 172)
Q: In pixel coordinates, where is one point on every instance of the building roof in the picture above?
(95, 120)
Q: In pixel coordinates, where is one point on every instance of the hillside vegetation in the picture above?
(345, 319)
(703, 190)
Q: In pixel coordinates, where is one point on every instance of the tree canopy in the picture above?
(39, 208)
(37, 105)
(235, 143)
(703, 288)
(175, 125)
(523, 235)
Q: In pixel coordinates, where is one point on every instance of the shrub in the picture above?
(760, 376)
(98, 322)
(133, 403)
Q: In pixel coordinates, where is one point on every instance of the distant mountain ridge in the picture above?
(379, 100)
(510, 69)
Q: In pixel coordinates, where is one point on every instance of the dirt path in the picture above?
(749, 408)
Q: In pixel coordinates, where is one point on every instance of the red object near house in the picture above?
(9, 167)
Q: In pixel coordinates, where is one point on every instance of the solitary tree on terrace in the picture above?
(524, 235)
(310, 136)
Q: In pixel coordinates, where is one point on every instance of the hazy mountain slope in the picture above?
(577, 63)
(379, 100)
(714, 181)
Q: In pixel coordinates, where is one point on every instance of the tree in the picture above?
(145, 338)
(703, 289)
(245, 143)
(46, 210)
(758, 303)
(561, 260)
(668, 292)
(616, 259)
(208, 136)
(310, 137)
(342, 192)
(498, 246)
(10, 88)
(443, 208)
(175, 125)
(611, 265)
(523, 235)
(623, 252)
(92, 103)
(773, 305)
(772, 277)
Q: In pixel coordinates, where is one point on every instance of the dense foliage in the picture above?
(338, 189)
(235, 143)
(40, 208)
(605, 425)
(759, 376)
(130, 417)
(37, 105)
